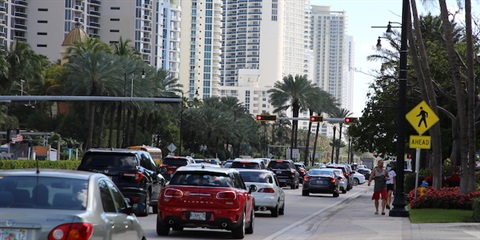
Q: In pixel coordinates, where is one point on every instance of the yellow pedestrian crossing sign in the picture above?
(422, 117)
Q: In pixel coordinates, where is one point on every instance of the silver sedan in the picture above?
(63, 204)
(269, 195)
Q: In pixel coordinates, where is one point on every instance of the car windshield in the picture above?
(199, 178)
(43, 192)
(175, 162)
(320, 172)
(108, 161)
(260, 177)
(279, 165)
(248, 165)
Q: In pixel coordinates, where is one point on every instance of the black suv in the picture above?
(347, 172)
(286, 172)
(133, 171)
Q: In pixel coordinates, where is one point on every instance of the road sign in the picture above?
(421, 142)
(422, 117)
(18, 138)
(171, 147)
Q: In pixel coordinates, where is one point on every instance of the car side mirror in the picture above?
(252, 188)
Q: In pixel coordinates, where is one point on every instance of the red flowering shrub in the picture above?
(447, 198)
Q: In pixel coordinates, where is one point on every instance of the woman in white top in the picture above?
(390, 185)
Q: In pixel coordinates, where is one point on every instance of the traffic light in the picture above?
(349, 120)
(266, 118)
(316, 118)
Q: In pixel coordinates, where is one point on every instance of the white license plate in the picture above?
(279, 171)
(6, 233)
(198, 216)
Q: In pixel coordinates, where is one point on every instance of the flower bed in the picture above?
(447, 198)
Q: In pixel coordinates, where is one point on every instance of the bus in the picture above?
(156, 153)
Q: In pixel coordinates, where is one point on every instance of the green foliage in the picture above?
(433, 215)
(25, 164)
(476, 209)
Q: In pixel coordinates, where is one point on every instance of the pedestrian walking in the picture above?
(391, 183)
(380, 176)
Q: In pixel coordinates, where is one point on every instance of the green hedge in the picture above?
(476, 209)
(20, 164)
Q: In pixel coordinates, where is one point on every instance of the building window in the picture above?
(42, 33)
(114, 8)
(42, 21)
(114, 19)
(43, 9)
(114, 30)
(42, 45)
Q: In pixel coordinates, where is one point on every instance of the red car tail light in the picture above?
(333, 180)
(292, 171)
(266, 190)
(71, 231)
(171, 192)
(138, 175)
(134, 199)
(227, 195)
(306, 179)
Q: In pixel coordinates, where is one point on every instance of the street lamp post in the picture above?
(181, 127)
(125, 105)
(333, 142)
(21, 86)
(399, 202)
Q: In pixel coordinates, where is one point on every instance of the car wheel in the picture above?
(305, 193)
(275, 211)
(335, 194)
(145, 206)
(155, 208)
(239, 232)
(355, 181)
(298, 184)
(249, 229)
(162, 229)
(344, 191)
(282, 210)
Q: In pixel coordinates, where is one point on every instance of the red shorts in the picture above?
(376, 195)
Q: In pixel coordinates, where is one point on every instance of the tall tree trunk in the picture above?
(112, 120)
(119, 124)
(459, 89)
(91, 124)
(307, 145)
(135, 124)
(422, 69)
(101, 126)
(337, 154)
(315, 144)
(468, 178)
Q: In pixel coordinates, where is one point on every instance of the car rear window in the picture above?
(175, 162)
(108, 161)
(248, 165)
(320, 172)
(43, 192)
(279, 165)
(260, 177)
(210, 179)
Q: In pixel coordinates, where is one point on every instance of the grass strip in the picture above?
(436, 215)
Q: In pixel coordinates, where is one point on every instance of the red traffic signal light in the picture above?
(316, 118)
(349, 120)
(266, 117)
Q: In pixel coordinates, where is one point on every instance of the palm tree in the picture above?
(292, 92)
(340, 113)
(323, 102)
(92, 70)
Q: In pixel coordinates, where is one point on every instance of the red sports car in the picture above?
(205, 197)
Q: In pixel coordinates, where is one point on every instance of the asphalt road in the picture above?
(297, 209)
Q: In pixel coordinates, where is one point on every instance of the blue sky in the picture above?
(361, 16)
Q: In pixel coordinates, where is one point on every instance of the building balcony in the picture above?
(21, 2)
(94, 24)
(94, 13)
(20, 27)
(95, 2)
(20, 15)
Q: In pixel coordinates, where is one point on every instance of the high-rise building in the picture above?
(263, 41)
(44, 24)
(171, 37)
(201, 44)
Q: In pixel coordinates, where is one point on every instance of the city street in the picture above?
(298, 209)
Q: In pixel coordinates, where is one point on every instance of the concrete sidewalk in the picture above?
(354, 218)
